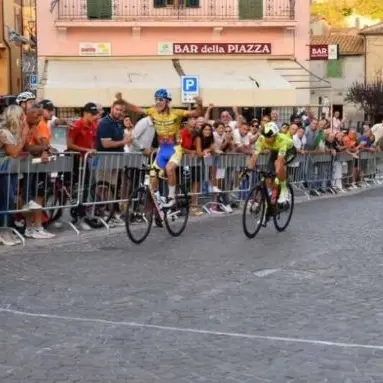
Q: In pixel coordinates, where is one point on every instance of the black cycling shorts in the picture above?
(289, 157)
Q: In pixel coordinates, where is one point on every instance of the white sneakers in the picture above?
(32, 205)
(38, 233)
(116, 221)
(171, 203)
(83, 225)
(7, 238)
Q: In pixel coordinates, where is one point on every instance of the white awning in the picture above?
(240, 83)
(73, 83)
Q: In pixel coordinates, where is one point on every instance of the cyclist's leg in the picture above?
(281, 173)
(281, 169)
(159, 164)
(271, 168)
(171, 168)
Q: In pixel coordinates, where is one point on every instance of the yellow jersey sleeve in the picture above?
(150, 112)
(284, 144)
(259, 145)
(180, 113)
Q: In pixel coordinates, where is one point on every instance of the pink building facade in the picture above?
(90, 49)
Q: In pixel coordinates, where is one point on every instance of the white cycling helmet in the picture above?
(24, 97)
(270, 129)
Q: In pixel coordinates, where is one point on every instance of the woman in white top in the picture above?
(128, 131)
(337, 123)
(13, 135)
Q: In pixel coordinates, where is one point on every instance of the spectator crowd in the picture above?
(27, 128)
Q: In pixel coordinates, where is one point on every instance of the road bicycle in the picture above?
(145, 203)
(262, 206)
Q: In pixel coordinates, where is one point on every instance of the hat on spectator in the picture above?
(47, 104)
(91, 108)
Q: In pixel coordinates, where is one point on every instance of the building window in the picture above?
(99, 9)
(334, 69)
(251, 9)
(176, 3)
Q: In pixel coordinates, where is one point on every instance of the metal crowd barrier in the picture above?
(98, 182)
(32, 191)
(213, 181)
(107, 179)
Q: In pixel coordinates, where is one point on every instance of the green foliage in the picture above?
(369, 97)
(335, 11)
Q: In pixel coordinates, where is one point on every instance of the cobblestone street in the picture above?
(211, 306)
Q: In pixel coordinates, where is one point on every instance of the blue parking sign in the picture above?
(189, 88)
(33, 82)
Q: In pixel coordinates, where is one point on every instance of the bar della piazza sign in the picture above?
(215, 49)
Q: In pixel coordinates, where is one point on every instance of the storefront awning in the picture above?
(240, 83)
(74, 83)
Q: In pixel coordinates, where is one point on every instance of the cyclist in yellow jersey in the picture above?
(282, 151)
(167, 123)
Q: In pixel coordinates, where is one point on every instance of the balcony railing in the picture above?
(168, 10)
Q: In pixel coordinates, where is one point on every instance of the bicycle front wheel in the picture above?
(177, 217)
(284, 210)
(139, 215)
(254, 211)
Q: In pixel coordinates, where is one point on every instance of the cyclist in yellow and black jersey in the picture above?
(167, 123)
(282, 151)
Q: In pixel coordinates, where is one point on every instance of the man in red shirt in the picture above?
(188, 135)
(82, 134)
(82, 138)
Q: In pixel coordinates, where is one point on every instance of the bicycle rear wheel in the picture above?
(53, 200)
(177, 217)
(139, 215)
(285, 208)
(255, 205)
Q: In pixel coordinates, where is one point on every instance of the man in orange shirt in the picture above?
(40, 136)
(38, 144)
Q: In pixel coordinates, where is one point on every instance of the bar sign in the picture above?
(324, 52)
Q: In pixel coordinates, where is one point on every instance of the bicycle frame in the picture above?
(148, 184)
(264, 177)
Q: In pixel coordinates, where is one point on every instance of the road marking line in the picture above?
(194, 331)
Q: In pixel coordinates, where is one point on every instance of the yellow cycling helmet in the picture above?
(270, 129)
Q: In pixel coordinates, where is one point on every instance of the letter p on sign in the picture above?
(190, 84)
(189, 88)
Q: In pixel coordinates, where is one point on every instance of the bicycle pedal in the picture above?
(265, 221)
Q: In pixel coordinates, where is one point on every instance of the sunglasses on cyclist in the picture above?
(160, 99)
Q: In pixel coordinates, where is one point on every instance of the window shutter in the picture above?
(251, 9)
(334, 69)
(159, 3)
(192, 3)
(99, 9)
